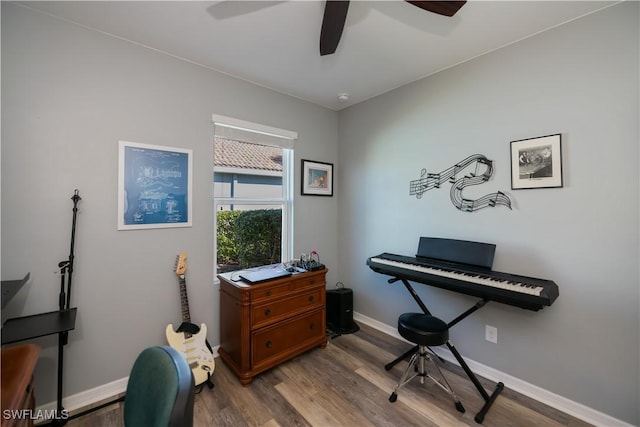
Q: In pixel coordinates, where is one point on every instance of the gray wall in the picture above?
(580, 80)
(68, 96)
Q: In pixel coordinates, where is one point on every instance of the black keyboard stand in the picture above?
(488, 399)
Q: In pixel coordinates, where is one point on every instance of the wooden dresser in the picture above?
(265, 324)
(18, 401)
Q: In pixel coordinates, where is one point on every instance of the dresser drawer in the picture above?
(274, 310)
(284, 287)
(303, 281)
(263, 291)
(285, 339)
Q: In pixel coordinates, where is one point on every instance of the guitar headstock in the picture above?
(181, 264)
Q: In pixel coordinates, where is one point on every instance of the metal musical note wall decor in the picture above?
(481, 174)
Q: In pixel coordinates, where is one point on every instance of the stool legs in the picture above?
(417, 363)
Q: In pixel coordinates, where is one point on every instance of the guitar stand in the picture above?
(208, 383)
(488, 399)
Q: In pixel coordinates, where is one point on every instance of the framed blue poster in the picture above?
(154, 186)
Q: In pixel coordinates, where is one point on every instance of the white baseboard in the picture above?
(541, 395)
(86, 398)
(111, 390)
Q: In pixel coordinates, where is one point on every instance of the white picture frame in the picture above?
(154, 186)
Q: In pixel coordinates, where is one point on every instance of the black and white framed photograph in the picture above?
(317, 178)
(154, 186)
(536, 162)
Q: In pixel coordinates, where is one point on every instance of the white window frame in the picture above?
(240, 130)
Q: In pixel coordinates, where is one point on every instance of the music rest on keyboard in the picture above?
(521, 291)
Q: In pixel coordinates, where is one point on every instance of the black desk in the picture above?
(38, 325)
(24, 328)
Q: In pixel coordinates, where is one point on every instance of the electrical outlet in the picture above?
(491, 334)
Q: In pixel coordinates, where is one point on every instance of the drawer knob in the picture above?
(268, 293)
(312, 326)
(267, 312)
(268, 344)
(311, 298)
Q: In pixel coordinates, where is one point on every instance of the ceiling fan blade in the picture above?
(446, 8)
(335, 15)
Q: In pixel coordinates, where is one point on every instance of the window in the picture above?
(252, 194)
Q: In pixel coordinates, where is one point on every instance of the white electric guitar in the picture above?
(191, 339)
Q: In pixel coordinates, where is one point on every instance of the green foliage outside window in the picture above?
(226, 244)
(248, 238)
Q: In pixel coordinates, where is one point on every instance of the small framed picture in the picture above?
(536, 162)
(154, 186)
(317, 178)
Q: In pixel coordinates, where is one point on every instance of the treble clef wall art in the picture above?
(483, 169)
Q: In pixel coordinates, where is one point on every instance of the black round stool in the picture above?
(424, 331)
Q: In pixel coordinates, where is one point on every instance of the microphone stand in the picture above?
(66, 266)
(64, 302)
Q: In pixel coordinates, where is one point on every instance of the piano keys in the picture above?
(470, 277)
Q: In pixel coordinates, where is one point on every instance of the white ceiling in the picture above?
(385, 44)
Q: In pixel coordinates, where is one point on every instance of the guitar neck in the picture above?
(184, 300)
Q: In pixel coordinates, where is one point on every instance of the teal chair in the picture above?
(160, 391)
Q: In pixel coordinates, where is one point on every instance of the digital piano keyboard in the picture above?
(520, 291)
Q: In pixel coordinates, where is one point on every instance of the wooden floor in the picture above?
(346, 384)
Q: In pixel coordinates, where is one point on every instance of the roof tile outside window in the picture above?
(230, 153)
